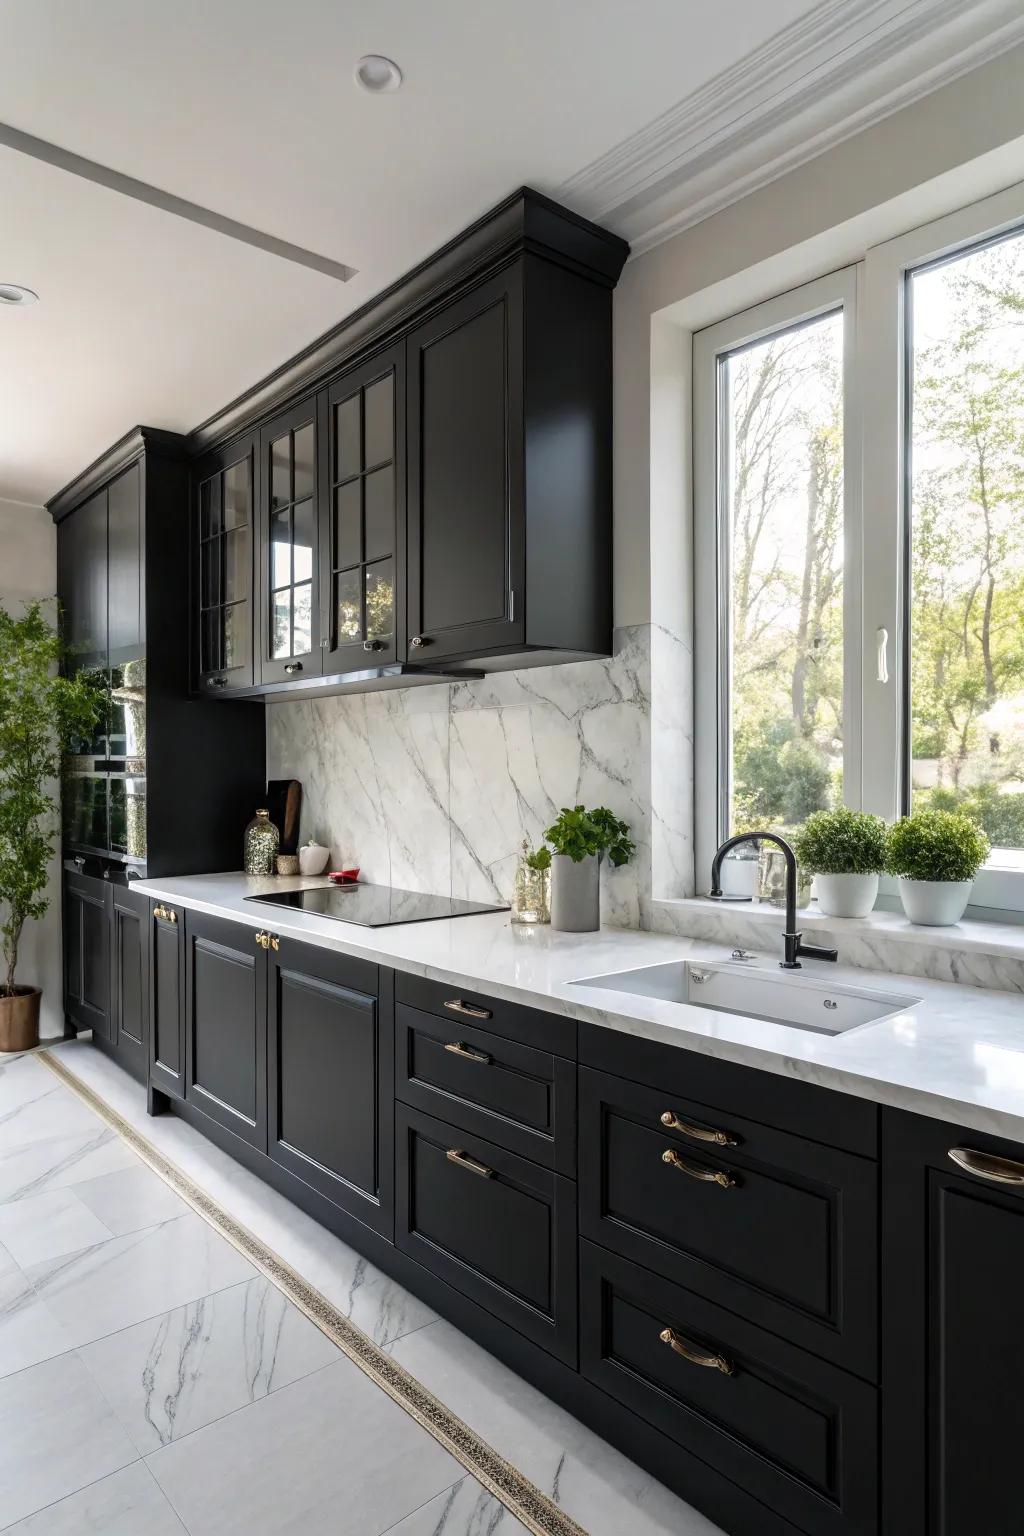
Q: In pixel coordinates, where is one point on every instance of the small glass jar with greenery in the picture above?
(531, 900)
(935, 856)
(845, 851)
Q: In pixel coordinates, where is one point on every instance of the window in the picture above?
(859, 531)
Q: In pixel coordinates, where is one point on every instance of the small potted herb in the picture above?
(935, 856)
(531, 899)
(845, 850)
(579, 838)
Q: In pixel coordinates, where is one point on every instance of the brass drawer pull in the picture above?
(160, 912)
(709, 1362)
(172, 917)
(262, 940)
(458, 1049)
(275, 942)
(706, 1175)
(985, 1165)
(165, 914)
(456, 1005)
(463, 1160)
(698, 1132)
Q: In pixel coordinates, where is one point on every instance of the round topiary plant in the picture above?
(841, 842)
(935, 856)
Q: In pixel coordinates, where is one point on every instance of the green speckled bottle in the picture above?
(262, 840)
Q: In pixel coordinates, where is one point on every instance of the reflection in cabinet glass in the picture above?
(363, 481)
(225, 534)
(292, 470)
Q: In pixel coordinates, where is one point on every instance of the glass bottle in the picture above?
(531, 899)
(262, 840)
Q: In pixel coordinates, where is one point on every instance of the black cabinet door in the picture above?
(167, 998)
(953, 1350)
(222, 568)
(466, 496)
(362, 517)
(289, 626)
(87, 908)
(126, 588)
(82, 580)
(129, 979)
(329, 1078)
(226, 1025)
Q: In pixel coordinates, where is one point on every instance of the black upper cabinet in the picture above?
(126, 587)
(82, 581)
(224, 520)
(289, 624)
(466, 494)
(953, 1353)
(362, 520)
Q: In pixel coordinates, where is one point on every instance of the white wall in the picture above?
(28, 568)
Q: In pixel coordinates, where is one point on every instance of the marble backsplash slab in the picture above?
(434, 788)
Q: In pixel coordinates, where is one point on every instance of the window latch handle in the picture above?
(882, 636)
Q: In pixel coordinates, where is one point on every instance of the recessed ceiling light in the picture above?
(14, 293)
(377, 74)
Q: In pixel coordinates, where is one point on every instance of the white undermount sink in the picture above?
(776, 997)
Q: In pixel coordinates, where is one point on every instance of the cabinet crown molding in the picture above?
(140, 440)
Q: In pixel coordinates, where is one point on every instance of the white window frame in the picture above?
(872, 296)
(712, 660)
(1000, 885)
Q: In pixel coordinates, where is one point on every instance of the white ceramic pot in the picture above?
(846, 895)
(313, 858)
(575, 893)
(934, 903)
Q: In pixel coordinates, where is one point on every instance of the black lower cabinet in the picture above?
(129, 979)
(87, 908)
(790, 1429)
(498, 1228)
(953, 1346)
(167, 999)
(330, 1043)
(226, 1025)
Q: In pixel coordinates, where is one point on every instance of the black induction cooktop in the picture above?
(374, 906)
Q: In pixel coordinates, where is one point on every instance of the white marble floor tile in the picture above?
(375, 1303)
(127, 1503)
(600, 1488)
(173, 1374)
(330, 1455)
(126, 1279)
(52, 1111)
(48, 1225)
(465, 1510)
(57, 1434)
(29, 1332)
(130, 1200)
(7, 1264)
(22, 1079)
(64, 1160)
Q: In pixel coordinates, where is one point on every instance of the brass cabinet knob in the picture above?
(418, 640)
(261, 940)
(293, 666)
(160, 911)
(374, 645)
(275, 942)
(172, 917)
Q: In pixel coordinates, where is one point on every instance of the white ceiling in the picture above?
(248, 108)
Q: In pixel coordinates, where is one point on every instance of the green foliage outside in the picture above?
(841, 842)
(41, 715)
(936, 845)
(578, 833)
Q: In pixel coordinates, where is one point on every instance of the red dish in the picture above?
(344, 876)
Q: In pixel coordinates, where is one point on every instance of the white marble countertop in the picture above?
(957, 1054)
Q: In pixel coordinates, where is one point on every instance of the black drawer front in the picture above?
(519, 1097)
(820, 1114)
(495, 1226)
(777, 1228)
(544, 1031)
(793, 1431)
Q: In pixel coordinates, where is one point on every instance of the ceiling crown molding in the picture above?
(835, 71)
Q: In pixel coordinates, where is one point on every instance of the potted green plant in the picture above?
(41, 714)
(935, 856)
(579, 838)
(845, 850)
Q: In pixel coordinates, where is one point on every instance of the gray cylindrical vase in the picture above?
(575, 893)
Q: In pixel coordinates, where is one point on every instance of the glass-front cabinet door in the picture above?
(362, 546)
(224, 568)
(290, 611)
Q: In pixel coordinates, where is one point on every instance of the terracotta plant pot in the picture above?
(19, 1019)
